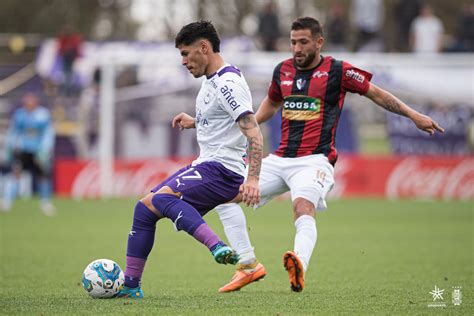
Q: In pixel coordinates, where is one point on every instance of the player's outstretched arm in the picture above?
(250, 189)
(267, 109)
(391, 103)
(183, 121)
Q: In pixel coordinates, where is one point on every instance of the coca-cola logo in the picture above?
(411, 178)
(127, 180)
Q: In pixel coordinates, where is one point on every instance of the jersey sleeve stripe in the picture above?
(243, 114)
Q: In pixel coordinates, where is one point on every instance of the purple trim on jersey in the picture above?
(229, 69)
(242, 114)
(205, 185)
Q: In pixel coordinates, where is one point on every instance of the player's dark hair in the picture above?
(198, 30)
(307, 23)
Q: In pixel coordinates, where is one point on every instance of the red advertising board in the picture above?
(438, 177)
(356, 176)
(80, 179)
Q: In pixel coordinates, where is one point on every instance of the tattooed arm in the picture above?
(249, 189)
(391, 103)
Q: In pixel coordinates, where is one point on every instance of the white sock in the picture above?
(235, 227)
(305, 238)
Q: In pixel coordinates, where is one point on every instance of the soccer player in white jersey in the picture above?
(227, 132)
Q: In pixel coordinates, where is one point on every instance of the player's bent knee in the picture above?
(164, 202)
(148, 202)
(302, 207)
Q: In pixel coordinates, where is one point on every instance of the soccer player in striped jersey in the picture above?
(310, 88)
(227, 132)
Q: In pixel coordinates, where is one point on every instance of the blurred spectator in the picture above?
(464, 36)
(405, 11)
(29, 146)
(368, 17)
(69, 49)
(406, 139)
(426, 32)
(336, 29)
(269, 27)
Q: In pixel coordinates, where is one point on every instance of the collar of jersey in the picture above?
(225, 65)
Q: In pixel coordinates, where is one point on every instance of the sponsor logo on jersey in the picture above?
(355, 75)
(301, 108)
(200, 120)
(320, 74)
(227, 93)
(287, 82)
(213, 83)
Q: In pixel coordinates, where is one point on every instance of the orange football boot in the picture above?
(295, 270)
(242, 277)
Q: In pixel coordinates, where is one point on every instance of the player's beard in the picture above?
(307, 61)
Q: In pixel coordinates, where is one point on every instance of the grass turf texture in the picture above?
(372, 256)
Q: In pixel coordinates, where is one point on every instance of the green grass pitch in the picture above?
(372, 257)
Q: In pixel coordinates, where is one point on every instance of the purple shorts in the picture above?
(205, 185)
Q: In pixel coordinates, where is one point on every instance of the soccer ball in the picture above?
(103, 278)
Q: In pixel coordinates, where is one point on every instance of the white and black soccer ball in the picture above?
(103, 278)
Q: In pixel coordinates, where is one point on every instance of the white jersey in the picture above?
(224, 98)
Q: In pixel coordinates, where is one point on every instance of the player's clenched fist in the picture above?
(183, 121)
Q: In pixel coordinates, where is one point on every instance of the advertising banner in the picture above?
(421, 177)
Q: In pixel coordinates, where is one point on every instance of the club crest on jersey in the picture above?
(207, 98)
(227, 93)
(300, 83)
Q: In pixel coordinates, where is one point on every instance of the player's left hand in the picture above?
(250, 192)
(183, 121)
(427, 124)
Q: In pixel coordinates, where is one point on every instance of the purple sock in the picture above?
(140, 243)
(185, 217)
(206, 236)
(134, 271)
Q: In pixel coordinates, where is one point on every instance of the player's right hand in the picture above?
(183, 121)
(250, 192)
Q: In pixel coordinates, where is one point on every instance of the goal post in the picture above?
(106, 129)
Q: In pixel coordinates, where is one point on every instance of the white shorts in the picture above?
(309, 177)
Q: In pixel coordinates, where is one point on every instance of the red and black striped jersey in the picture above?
(312, 101)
